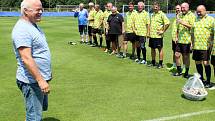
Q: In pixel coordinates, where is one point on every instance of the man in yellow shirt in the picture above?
(97, 26)
(202, 38)
(91, 12)
(174, 32)
(107, 13)
(129, 29)
(185, 23)
(141, 29)
(158, 26)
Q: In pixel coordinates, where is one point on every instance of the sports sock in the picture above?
(160, 62)
(138, 52)
(153, 62)
(179, 69)
(144, 53)
(208, 73)
(199, 68)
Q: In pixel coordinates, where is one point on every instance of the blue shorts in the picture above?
(35, 100)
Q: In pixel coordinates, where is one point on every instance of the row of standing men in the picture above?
(190, 33)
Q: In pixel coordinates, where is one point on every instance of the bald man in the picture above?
(202, 39)
(183, 48)
(33, 59)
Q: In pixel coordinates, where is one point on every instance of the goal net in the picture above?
(68, 8)
(125, 8)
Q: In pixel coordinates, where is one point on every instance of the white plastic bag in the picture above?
(194, 88)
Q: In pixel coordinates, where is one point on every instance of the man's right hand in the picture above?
(44, 86)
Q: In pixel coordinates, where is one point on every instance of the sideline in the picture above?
(181, 116)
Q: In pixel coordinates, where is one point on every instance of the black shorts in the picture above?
(201, 55)
(142, 41)
(82, 29)
(213, 60)
(113, 37)
(99, 31)
(130, 37)
(182, 48)
(173, 46)
(90, 30)
(156, 43)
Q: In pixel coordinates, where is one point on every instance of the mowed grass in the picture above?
(89, 85)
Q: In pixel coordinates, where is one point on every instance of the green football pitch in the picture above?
(90, 85)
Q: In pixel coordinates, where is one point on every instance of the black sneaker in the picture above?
(186, 75)
(151, 65)
(177, 74)
(132, 57)
(159, 66)
(208, 85)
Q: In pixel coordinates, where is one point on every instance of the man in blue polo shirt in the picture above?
(82, 15)
(33, 59)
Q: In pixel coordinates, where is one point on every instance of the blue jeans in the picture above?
(35, 100)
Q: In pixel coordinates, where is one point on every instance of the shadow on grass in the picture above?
(182, 95)
(50, 119)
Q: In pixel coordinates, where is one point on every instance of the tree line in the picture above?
(210, 4)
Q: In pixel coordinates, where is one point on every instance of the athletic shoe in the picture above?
(113, 53)
(159, 66)
(151, 65)
(177, 74)
(186, 75)
(137, 60)
(119, 56)
(132, 57)
(208, 86)
(143, 62)
(106, 50)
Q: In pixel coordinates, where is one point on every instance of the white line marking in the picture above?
(181, 116)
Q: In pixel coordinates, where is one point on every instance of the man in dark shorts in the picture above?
(202, 38)
(82, 15)
(91, 21)
(158, 26)
(116, 28)
(185, 22)
(130, 34)
(174, 32)
(141, 28)
(98, 26)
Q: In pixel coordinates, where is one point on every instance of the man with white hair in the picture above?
(33, 59)
(141, 29)
(202, 35)
(185, 22)
(82, 15)
(107, 13)
(115, 30)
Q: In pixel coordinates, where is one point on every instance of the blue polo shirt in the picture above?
(25, 34)
(82, 17)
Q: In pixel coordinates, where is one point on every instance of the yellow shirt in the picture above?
(141, 20)
(91, 17)
(130, 21)
(184, 33)
(203, 30)
(158, 21)
(98, 19)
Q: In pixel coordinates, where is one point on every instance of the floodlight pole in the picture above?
(49, 5)
(115, 3)
(167, 4)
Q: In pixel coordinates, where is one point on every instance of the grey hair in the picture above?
(24, 5)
